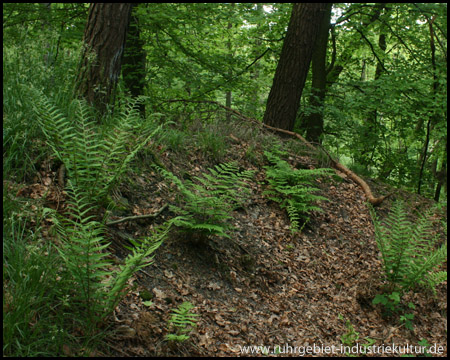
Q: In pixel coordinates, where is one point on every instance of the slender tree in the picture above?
(104, 43)
(134, 60)
(292, 68)
(314, 121)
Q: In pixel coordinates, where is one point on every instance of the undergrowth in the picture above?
(292, 188)
(411, 252)
(182, 321)
(94, 160)
(205, 203)
(411, 256)
(85, 254)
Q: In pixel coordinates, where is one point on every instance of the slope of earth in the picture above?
(264, 286)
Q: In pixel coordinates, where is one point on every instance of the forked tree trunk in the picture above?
(293, 66)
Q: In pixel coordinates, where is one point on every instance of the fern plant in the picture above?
(293, 188)
(410, 254)
(228, 182)
(141, 256)
(204, 206)
(94, 160)
(183, 321)
(83, 248)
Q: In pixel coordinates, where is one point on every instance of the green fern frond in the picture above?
(207, 201)
(293, 188)
(94, 159)
(82, 250)
(408, 251)
(435, 278)
(140, 257)
(183, 320)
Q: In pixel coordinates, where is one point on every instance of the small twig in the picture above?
(138, 217)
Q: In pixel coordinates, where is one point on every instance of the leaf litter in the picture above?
(265, 286)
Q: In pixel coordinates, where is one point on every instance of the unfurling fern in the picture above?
(94, 160)
(205, 205)
(293, 189)
(409, 252)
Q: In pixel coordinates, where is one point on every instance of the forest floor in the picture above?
(264, 286)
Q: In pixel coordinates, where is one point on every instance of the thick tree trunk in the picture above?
(292, 69)
(104, 41)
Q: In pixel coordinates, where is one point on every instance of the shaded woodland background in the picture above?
(375, 95)
(166, 185)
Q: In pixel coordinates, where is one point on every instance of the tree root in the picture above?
(375, 201)
(338, 166)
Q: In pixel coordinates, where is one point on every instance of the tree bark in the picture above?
(134, 58)
(104, 43)
(293, 66)
(314, 121)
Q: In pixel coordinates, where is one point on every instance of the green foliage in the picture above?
(293, 188)
(351, 337)
(183, 321)
(410, 254)
(22, 143)
(140, 257)
(33, 323)
(175, 139)
(392, 304)
(84, 251)
(94, 160)
(205, 205)
(425, 344)
(212, 144)
(381, 102)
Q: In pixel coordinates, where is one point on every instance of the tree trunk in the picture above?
(134, 58)
(104, 43)
(292, 69)
(370, 136)
(230, 74)
(314, 121)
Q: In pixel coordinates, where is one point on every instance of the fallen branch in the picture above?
(138, 217)
(375, 201)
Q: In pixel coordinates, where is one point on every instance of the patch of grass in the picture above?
(175, 139)
(212, 144)
(35, 321)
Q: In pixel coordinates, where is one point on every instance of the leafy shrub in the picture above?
(293, 188)
(205, 205)
(409, 252)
